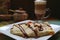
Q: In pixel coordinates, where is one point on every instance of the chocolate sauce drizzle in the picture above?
(22, 30)
(49, 26)
(40, 28)
(33, 30)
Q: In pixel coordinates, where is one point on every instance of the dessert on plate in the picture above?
(32, 29)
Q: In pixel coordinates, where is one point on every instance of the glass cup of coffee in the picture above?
(41, 11)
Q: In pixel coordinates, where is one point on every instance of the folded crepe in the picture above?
(32, 29)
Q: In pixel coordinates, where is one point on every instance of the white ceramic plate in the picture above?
(6, 30)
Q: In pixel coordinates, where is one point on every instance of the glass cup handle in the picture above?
(47, 13)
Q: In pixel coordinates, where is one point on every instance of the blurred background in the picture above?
(34, 9)
(19, 10)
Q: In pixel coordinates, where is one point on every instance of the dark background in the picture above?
(54, 5)
(28, 5)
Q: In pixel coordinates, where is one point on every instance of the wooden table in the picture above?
(4, 37)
